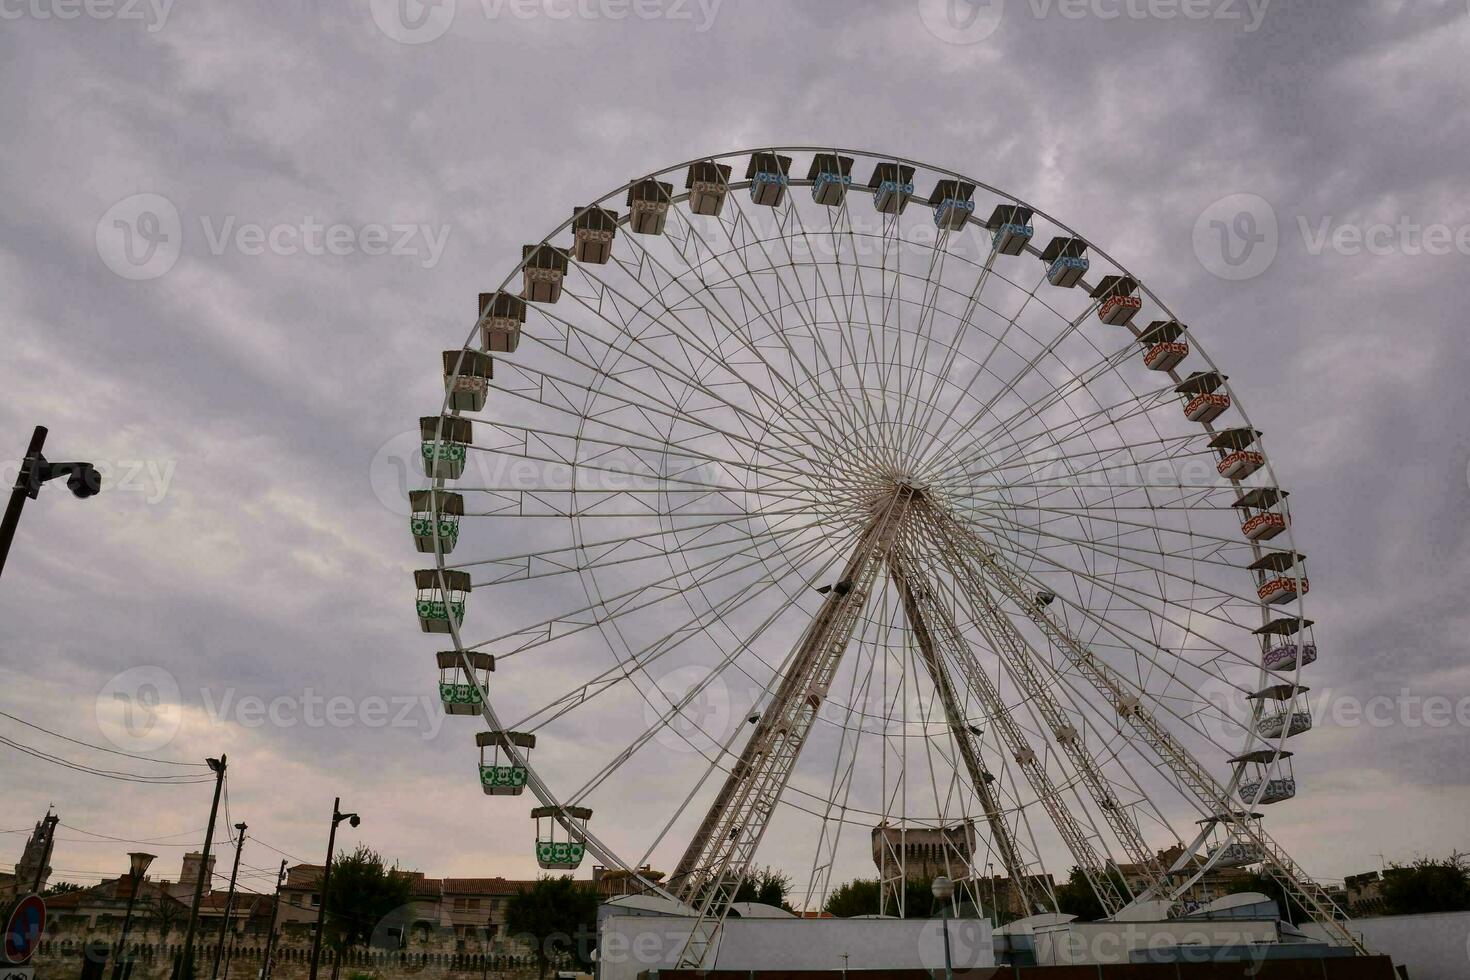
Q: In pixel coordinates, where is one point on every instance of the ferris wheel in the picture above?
(801, 518)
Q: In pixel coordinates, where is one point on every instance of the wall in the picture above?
(1431, 947)
(62, 960)
(628, 945)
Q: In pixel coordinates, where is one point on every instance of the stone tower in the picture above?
(189, 873)
(34, 856)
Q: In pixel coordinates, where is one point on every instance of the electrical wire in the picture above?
(99, 748)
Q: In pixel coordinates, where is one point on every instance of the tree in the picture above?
(860, 897)
(164, 913)
(1078, 898)
(361, 893)
(769, 887)
(1427, 885)
(60, 888)
(554, 915)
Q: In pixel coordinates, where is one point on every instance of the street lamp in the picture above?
(943, 890)
(321, 910)
(81, 478)
(137, 867)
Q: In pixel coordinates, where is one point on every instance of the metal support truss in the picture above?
(933, 628)
(1021, 663)
(718, 858)
(1189, 773)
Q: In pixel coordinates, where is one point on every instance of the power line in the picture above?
(99, 748)
(132, 777)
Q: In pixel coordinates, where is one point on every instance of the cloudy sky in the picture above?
(171, 167)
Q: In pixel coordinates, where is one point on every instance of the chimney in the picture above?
(189, 873)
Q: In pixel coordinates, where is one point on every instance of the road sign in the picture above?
(23, 929)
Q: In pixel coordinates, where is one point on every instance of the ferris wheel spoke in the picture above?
(595, 556)
(598, 346)
(629, 601)
(831, 423)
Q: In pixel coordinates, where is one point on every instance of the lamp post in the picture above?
(185, 969)
(224, 925)
(81, 478)
(321, 910)
(943, 890)
(137, 867)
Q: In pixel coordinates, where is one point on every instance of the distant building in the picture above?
(1364, 894)
(923, 853)
(615, 882)
(161, 907)
(23, 879)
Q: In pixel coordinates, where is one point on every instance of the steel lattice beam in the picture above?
(934, 628)
(719, 855)
(1189, 772)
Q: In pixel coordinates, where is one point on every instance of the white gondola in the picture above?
(437, 607)
(445, 442)
(433, 510)
(708, 183)
(1285, 656)
(1117, 304)
(1065, 262)
(459, 694)
(1238, 854)
(467, 377)
(593, 231)
(561, 836)
(892, 185)
(1292, 716)
(1268, 771)
(1276, 790)
(501, 773)
(831, 176)
(1010, 228)
(1163, 350)
(1203, 403)
(1237, 460)
(501, 316)
(1282, 589)
(1291, 723)
(768, 173)
(648, 206)
(953, 202)
(543, 269)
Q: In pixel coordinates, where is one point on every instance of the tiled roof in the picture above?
(484, 886)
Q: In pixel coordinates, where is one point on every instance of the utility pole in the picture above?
(224, 925)
(321, 910)
(270, 941)
(185, 968)
(82, 478)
